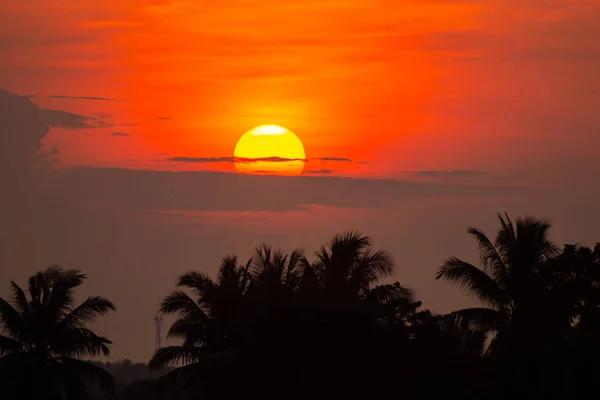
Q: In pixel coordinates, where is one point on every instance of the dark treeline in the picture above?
(283, 326)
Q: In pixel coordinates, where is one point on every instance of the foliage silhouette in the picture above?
(46, 334)
(280, 310)
(281, 326)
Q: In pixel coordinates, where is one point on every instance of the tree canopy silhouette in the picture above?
(279, 325)
(46, 335)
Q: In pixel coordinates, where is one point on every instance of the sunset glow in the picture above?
(143, 138)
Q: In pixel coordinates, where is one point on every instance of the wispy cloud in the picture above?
(456, 173)
(319, 171)
(69, 120)
(339, 159)
(201, 159)
(56, 96)
(251, 160)
(120, 134)
(65, 119)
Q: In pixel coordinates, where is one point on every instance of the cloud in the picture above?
(251, 160)
(120, 134)
(165, 118)
(150, 190)
(22, 129)
(201, 159)
(84, 98)
(457, 173)
(69, 120)
(319, 171)
(339, 159)
(232, 159)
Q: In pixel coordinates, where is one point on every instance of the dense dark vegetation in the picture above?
(280, 326)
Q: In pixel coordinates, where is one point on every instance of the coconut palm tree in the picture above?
(45, 335)
(506, 282)
(210, 318)
(348, 268)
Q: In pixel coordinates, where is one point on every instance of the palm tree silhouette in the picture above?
(507, 282)
(46, 334)
(280, 310)
(348, 268)
(210, 318)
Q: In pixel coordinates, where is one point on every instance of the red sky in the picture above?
(492, 104)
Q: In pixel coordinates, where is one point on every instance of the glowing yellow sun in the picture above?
(269, 149)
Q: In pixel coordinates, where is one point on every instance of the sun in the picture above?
(269, 149)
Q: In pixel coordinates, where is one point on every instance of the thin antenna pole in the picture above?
(157, 323)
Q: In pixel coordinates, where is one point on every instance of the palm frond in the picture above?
(11, 322)
(490, 258)
(19, 299)
(85, 313)
(44, 280)
(199, 282)
(192, 331)
(523, 246)
(356, 239)
(179, 302)
(79, 342)
(370, 267)
(9, 346)
(175, 355)
(479, 284)
(228, 272)
(261, 259)
(294, 266)
(61, 293)
(534, 233)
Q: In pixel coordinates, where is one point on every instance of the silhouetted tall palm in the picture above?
(506, 282)
(210, 320)
(45, 335)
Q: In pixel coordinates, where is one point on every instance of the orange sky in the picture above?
(448, 110)
(402, 85)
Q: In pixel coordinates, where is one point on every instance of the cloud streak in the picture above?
(56, 96)
(252, 160)
(70, 120)
(456, 173)
(65, 119)
(147, 190)
(338, 159)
